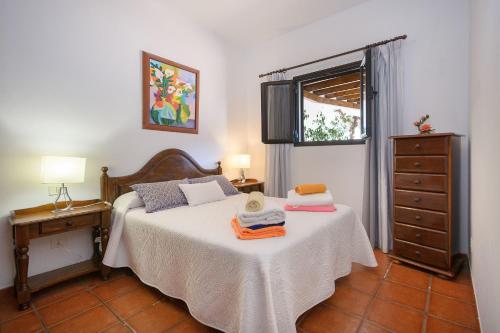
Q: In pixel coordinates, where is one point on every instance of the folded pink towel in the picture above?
(324, 208)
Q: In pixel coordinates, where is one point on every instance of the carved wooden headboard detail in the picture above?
(168, 164)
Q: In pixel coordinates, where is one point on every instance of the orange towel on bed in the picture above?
(246, 233)
(310, 188)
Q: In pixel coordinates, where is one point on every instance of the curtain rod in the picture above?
(335, 56)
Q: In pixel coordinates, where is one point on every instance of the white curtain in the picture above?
(387, 74)
(278, 164)
(278, 169)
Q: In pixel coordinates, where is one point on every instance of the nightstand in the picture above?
(249, 185)
(40, 221)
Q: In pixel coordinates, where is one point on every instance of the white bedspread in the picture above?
(236, 285)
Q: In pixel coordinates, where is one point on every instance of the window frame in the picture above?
(330, 72)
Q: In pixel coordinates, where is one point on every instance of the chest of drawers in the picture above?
(425, 207)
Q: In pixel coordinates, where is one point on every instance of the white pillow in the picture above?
(130, 199)
(197, 194)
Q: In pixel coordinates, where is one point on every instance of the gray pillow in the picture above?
(161, 195)
(223, 182)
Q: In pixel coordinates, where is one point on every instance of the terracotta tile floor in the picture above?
(389, 298)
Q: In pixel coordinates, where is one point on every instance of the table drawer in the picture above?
(432, 257)
(425, 200)
(68, 223)
(422, 218)
(436, 239)
(412, 181)
(421, 146)
(425, 164)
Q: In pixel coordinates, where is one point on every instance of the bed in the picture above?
(191, 253)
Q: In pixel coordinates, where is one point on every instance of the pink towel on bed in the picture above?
(325, 208)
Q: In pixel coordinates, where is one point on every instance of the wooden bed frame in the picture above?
(168, 164)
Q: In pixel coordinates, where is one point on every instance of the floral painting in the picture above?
(170, 95)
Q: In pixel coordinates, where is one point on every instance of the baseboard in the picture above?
(475, 294)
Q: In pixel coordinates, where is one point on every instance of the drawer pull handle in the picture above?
(416, 181)
(69, 223)
(417, 199)
(418, 235)
(417, 146)
(417, 164)
(418, 217)
(417, 253)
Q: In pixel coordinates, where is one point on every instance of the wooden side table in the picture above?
(40, 221)
(249, 185)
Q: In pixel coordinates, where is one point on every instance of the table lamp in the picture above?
(241, 161)
(62, 170)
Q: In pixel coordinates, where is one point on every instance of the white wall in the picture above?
(485, 159)
(70, 84)
(436, 82)
(237, 118)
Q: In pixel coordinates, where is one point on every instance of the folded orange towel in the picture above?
(310, 188)
(246, 233)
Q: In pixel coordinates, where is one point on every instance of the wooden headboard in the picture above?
(168, 164)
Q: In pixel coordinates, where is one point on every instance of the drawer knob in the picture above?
(417, 253)
(417, 146)
(418, 217)
(416, 181)
(417, 164)
(418, 235)
(69, 223)
(417, 199)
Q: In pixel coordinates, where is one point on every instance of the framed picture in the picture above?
(170, 95)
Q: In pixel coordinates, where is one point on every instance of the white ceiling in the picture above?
(249, 21)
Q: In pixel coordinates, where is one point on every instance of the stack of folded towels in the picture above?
(310, 198)
(259, 219)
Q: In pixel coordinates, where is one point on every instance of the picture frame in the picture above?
(170, 95)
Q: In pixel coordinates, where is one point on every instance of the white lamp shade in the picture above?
(241, 161)
(59, 169)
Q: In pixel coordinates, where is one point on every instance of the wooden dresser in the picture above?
(425, 205)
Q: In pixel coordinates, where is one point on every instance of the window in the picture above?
(322, 108)
(332, 106)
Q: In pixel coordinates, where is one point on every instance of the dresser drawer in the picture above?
(412, 181)
(421, 146)
(422, 218)
(68, 223)
(436, 239)
(436, 258)
(425, 164)
(425, 200)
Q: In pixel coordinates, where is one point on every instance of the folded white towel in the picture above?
(318, 199)
(270, 214)
(271, 218)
